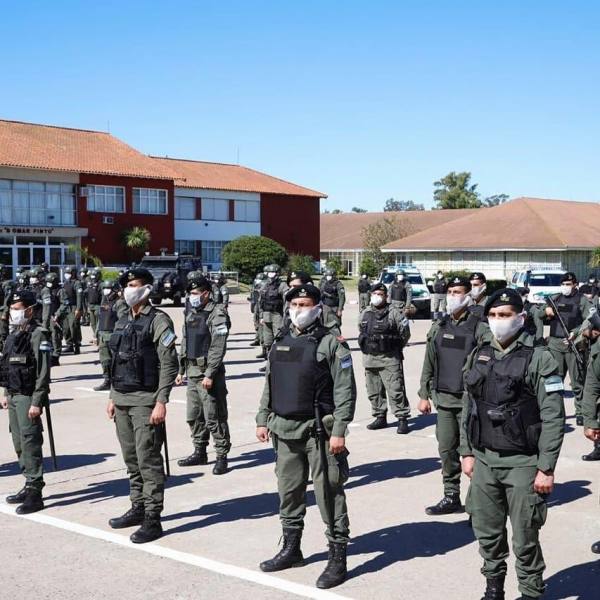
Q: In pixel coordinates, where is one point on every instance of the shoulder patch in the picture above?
(47, 300)
(554, 383)
(346, 361)
(45, 346)
(221, 329)
(168, 337)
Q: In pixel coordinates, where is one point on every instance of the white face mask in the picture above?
(135, 295)
(304, 317)
(505, 329)
(329, 277)
(271, 275)
(67, 276)
(33, 280)
(195, 300)
(377, 300)
(456, 303)
(440, 275)
(17, 316)
(48, 285)
(400, 278)
(566, 290)
(477, 290)
(364, 276)
(106, 291)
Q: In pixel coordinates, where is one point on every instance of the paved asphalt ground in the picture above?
(218, 528)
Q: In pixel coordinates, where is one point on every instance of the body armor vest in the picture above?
(93, 294)
(70, 293)
(135, 364)
(453, 344)
(329, 294)
(197, 334)
(271, 300)
(504, 414)
(440, 286)
(569, 308)
(478, 310)
(107, 317)
(377, 334)
(398, 291)
(18, 367)
(297, 379)
(364, 286)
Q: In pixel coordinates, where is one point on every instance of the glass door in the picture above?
(24, 257)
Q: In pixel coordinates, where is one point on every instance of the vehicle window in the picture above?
(159, 264)
(545, 279)
(415, 279)
(515, 278)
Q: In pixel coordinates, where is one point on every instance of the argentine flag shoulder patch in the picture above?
(346, 361)
(554, 383)
(168, 338)
(45, 346)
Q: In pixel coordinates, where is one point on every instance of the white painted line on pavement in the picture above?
(82, 389)
(182, 557)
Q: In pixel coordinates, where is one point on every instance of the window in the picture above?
(185, 208)
(36, 203)
(247, 210)
(214, 209)
(106, 198)
(185, 247)
(211, 252)
(149, 202)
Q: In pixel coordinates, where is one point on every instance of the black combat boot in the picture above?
(579, 421)
(55, 361)
(134, 516)
(150, 530)
(17, 498)
(69, 348)
(402, 426)
(255, 343)
(335, 571)
(595, 547)
(594, 454)
(449, 504)
(220, 467)
(198, 457)
(105, 385)
(32, 503)
(494, 589)
(378, 423)
(290, 554)
(77, 350)
(263, 353)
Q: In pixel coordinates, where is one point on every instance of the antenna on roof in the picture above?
(238, 156)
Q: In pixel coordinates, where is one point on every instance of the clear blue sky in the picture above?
(361, 100)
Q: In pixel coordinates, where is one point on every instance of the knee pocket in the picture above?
(536, 511)
(338, 468)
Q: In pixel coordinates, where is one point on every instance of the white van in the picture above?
(541, 282)
(421, 297)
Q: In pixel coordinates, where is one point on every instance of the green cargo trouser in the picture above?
(56, 334)
(392, 379)
(207, 413)
(140, 444)
(447, 432)
(330, 317)
(494, 495)
(567, 364)
(71, 328)
(272, 323)
(363, 301)
(293, 460)
(93, 311)
(103, 349)
(27, 439)
(3, 330)
(438, 303)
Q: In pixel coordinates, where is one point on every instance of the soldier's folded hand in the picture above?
(262, 434)
(424, 406)
(159, 413)
(207, 383)
(34, 412)
(78, 314)
(468, 464)
(592, 434)
(337, 444)
(4, 402)
(179, 379)
(544, 482)
(110, 410)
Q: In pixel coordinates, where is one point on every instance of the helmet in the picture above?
(71, 270)
(330, 273)
(273, 268)
(96, 273)
(108, 284)
(195, 275)
(52, 278)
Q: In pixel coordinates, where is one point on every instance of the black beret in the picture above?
(379, 286)
(199, 283)
(137, 273)
(460, 281)
(504, 297)
(594, 320)
(303, 276)
(25, 296)
(569, 276)
(307, 290)
(477, 275)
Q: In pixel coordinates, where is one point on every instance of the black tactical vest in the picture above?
(197, 334)
(377, 335)
(107, 317)
(569, 308)
(398, 291)
(329, 294)
(453, 343)
(478, 310)
(18, 366)
(93, 293)
(271, 300)
(217, 294)
(297, 379)
(135, 364)
(70, 293)
(440, 286)
(504, 414)
(364, 286)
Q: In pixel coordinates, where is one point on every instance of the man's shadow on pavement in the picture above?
(579, 581)
(64, 462)
(569, 491)
(255, 458)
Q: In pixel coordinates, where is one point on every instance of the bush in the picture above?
(301, 262)
(249, 254)
(335, 263)
(368, 266)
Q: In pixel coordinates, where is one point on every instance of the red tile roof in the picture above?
(219, 176)
(522, 223)
(32, 146)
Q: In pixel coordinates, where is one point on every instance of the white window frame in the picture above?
(212, 217)
(187, 199)
(141, 212)
(178, 247)
(241, 206)
(93, 187)
(213, 246)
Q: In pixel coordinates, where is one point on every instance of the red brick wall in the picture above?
(293, 221)
(103, 240)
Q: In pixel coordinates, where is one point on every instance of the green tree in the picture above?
(392, 205)
(335, 263)
(368, 266)
(301, 262)
(85, 256)
(456, 191)
(136, 241)
(356, 209)
(249, 254)
(337, 211)
(595, 258)
(382, 232)
(494, 200)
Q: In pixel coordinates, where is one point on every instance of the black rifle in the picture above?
(163, 429)
(572, 347)
(323, 451)
(50, 434)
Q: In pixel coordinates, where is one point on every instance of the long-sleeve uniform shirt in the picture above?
(338, 357)
(542, 376)
(591, 390)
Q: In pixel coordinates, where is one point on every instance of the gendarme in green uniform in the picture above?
(333, 295)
